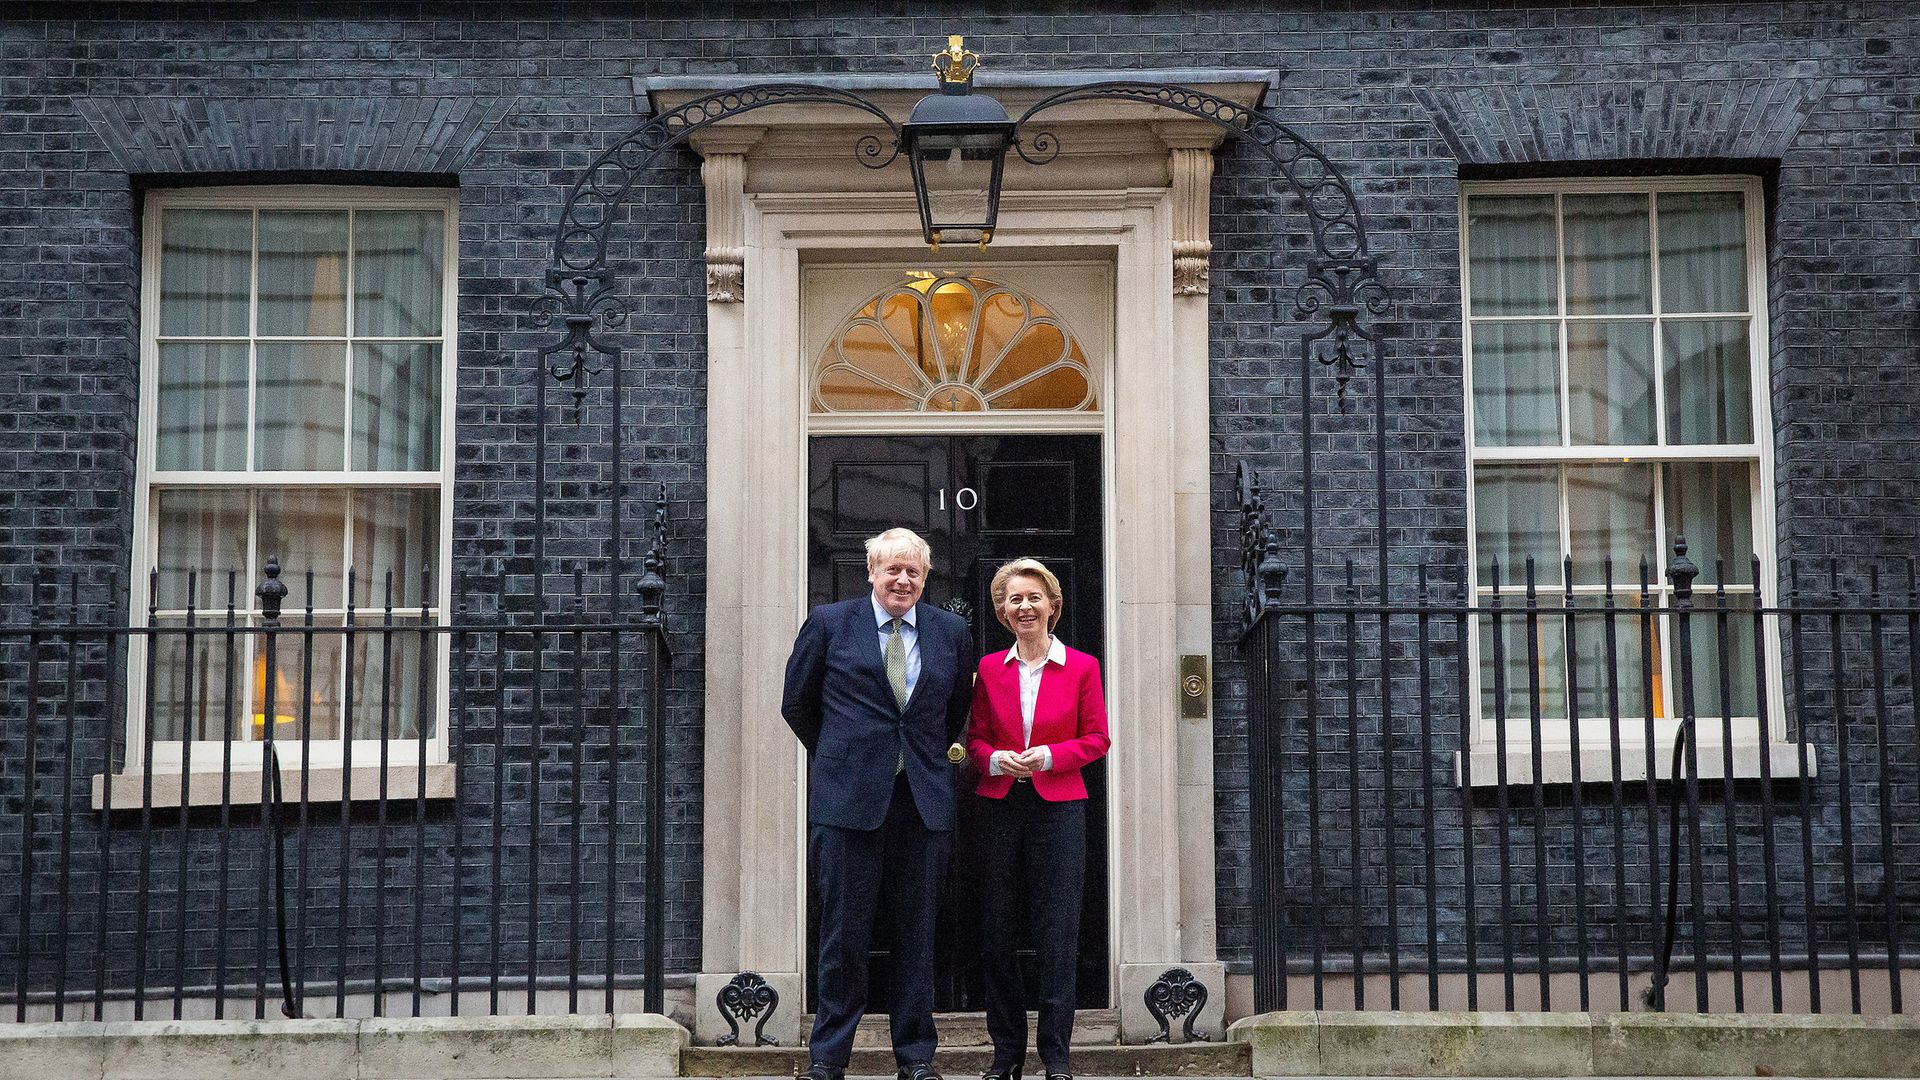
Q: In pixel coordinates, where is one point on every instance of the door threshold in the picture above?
(1158, 1059)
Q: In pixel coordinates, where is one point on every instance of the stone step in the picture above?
(1187, 1059)
(1091, 1027)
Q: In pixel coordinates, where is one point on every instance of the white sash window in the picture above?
(296, 374)
(1617, 400)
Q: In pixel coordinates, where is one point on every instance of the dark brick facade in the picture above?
(509, 101)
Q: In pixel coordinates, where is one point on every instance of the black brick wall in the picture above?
(97, 101)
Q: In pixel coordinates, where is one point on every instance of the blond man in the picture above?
(877, 688)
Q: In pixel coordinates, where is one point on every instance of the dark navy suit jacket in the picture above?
(839, 703)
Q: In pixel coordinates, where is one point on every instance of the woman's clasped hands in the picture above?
(1021, 764)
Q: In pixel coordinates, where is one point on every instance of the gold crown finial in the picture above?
(955, 64)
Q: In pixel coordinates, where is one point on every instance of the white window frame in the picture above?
(1594, 736)
(207, 754)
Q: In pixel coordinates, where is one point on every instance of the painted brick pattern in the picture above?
(1401, 96)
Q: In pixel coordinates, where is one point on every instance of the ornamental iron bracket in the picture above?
(1176, 993)
(744, 997)
(579, 286)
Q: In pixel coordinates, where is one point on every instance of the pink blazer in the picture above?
(1070, 717)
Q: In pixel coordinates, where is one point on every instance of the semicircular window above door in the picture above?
(958, 343)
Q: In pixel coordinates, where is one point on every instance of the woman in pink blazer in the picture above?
(1038, 719)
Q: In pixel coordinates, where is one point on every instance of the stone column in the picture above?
(751, 862)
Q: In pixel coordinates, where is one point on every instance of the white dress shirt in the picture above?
(1029, 696)
(909, 631)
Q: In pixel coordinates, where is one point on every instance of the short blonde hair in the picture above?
(1025, 568)
(898, 542)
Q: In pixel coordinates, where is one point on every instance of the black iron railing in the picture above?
(1732, 825)
(343, 812)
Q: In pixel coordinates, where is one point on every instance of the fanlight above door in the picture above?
(957, 343)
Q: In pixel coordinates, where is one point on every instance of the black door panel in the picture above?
(979, 501)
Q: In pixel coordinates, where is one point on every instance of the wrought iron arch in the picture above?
(1343, 278)
(1342, 284)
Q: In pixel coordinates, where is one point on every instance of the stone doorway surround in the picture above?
(1130, 185)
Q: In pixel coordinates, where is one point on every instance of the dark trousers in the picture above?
(855, 874)
(1034, 862)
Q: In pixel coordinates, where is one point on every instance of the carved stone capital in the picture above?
(726, 275)
(1190, 267)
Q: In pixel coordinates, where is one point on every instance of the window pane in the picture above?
(1704, 629)
(1065, 387)
(190, 692)
(1703, 251)
(1609, 260)
(202, 407)
(1516, 380)
(1706, 365)
(299, 695)
(205, 272)
(1710, 503)
(398, 268)
(203, 532)
(389, 659)
(1621, 685)
(396, 531)
(303, 267)
(306, 529)
(953, 344)
(1510, 256)
(396, 407)
(1610, 382)
(1610, 516)
(1516, 512)
(301, 402)
(1523, 673)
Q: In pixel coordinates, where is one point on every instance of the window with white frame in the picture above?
(1617, 368)
(296, 355)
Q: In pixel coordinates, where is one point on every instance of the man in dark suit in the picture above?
(877, 688)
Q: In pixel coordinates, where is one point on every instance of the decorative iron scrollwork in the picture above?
(1176, 993)
(1342, 289)
(746, 996)
(579, 285)
(1259, 548)
(1343, 279)
(652, 586)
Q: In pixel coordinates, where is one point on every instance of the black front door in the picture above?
(979, 500)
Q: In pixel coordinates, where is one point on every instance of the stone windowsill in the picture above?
(1596, 763)
(324, 785)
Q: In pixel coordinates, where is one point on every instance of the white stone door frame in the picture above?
(1158, 570)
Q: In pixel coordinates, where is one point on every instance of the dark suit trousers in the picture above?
(896, 869)
(1033, 858)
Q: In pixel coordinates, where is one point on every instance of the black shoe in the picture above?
(922, 1071)
(1059, 1076)
(998, 1072)
(822, 1071)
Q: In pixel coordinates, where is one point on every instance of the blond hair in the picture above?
(898, 542)
(1025, 568)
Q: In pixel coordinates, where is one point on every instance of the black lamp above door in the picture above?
(956, 143)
